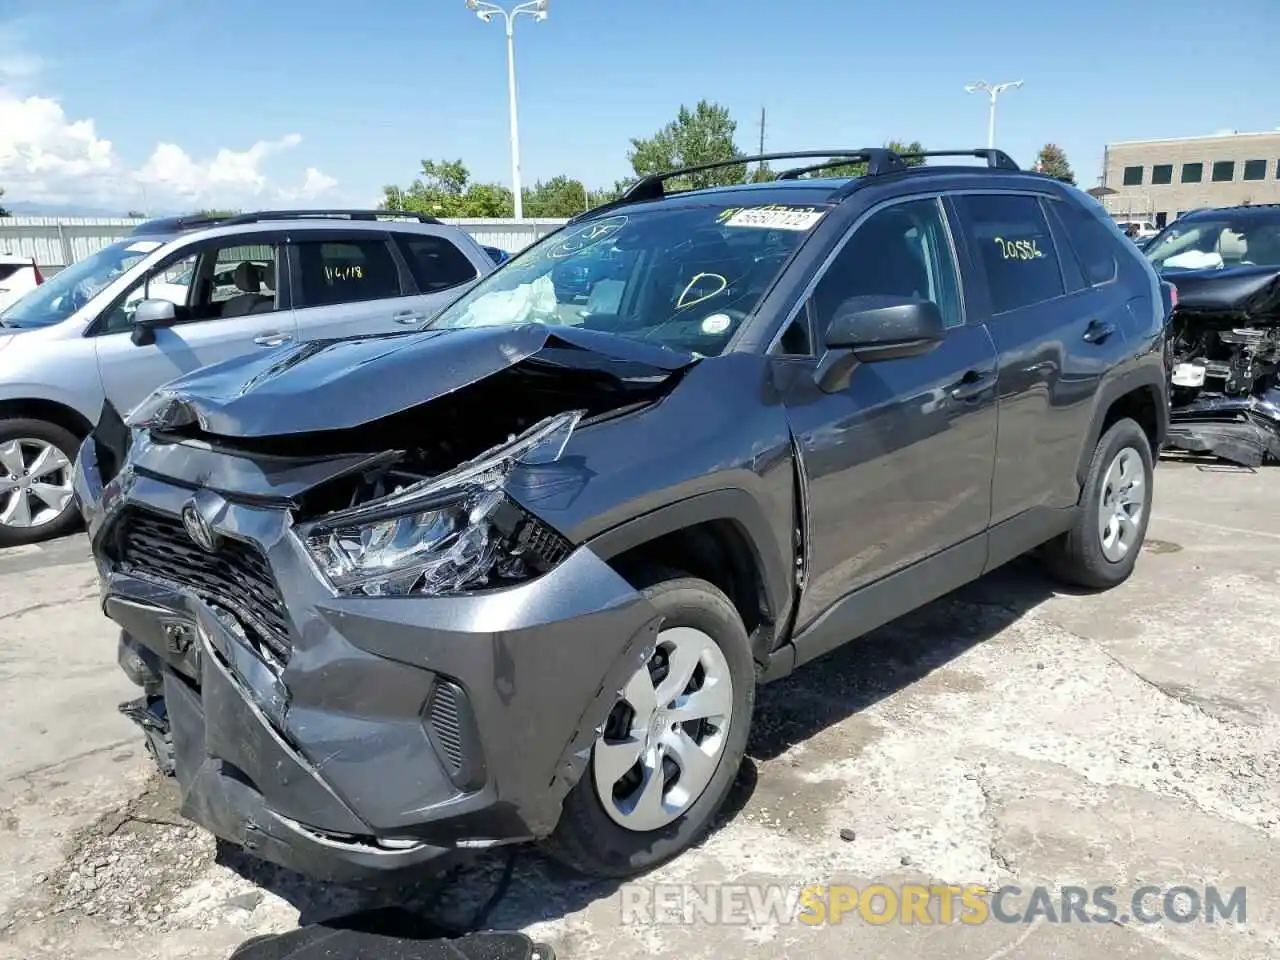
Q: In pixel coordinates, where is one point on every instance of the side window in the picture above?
(1094, 242)
(1010, 238)
(346, 271)
(171, 281)
(435, 262)
(901, 250)
(238, 280)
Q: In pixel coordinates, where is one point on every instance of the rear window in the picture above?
(435, 262)
(1011, 237)
(1094, 242)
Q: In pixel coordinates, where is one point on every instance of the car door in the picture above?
(897, 463)
(349, 282)
(439, 267)
(232, 304)
(1055, 337)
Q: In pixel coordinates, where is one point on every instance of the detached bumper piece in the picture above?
(389, 935)
(150, 714)
(1244, 430)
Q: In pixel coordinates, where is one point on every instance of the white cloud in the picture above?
(46, 156)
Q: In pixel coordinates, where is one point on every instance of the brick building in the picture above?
(1159, 180)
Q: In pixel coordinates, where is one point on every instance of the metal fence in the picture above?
(57, 242)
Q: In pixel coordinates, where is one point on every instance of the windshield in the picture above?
(1215, 243)
(68, 290)
(681, 277)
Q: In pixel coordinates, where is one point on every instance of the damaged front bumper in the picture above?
(1242, 429)
(354, 737)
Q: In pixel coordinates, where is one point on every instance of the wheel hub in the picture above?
(1122, 504)
(35, 483)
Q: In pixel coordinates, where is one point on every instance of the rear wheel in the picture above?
(37, 459)
(672, 744)
(1102, 547)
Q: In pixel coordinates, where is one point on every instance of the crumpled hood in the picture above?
(326, 385)
(1245, 293)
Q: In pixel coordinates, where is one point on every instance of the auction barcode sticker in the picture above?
(776, 218)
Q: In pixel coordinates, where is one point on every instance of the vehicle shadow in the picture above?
(519, 886)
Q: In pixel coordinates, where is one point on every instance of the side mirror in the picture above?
(149, 317)
(874, 328)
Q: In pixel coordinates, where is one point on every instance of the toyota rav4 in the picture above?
(517, 575)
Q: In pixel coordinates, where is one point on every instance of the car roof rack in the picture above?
(879, 161)
(259, 216)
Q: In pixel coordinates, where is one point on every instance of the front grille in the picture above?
(237, 576)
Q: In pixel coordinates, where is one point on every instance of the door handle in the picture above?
(973, 385)
(409, 316)
(272, 339)
(1098, 331)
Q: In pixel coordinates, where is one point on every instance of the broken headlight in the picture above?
(451, 533)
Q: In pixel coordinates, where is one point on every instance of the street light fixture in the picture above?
(487, 11)
(992, 91)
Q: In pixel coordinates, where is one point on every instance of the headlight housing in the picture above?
(451, 533)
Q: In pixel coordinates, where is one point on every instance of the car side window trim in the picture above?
(807, 293)
(400, 243)
(1070, 261)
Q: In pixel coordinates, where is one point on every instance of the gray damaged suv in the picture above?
(518, 575)
(184, 292)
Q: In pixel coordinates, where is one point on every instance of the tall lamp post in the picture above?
(992, 91)
(487, 11)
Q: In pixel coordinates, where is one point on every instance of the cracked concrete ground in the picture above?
(1010, 733)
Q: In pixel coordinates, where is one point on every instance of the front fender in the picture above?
(717, 447)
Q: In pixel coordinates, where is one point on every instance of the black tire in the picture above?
(586, 838)
(1077, 557)
(64, 440)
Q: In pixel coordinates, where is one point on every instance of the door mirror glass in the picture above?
(885, 327)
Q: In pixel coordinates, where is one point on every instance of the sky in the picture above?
(163, 105)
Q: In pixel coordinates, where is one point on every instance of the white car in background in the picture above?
(18, 276)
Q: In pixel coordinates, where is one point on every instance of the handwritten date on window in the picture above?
(1019, 249)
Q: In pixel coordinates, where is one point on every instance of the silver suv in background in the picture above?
(184, 292)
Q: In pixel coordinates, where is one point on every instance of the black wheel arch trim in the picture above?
(735, 505)
(1147, 377)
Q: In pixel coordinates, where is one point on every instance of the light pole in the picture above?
(486, 11)
(992, 91)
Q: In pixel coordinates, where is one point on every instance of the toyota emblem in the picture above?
(198, 528)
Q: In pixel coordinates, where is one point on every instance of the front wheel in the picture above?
(1102, 547)
(672, 744)
(37, 460)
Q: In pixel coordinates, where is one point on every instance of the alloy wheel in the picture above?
(35, 483)
(1122, 501)
(663, 740)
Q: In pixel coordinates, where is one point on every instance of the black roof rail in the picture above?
(996, 159)
(259, 216)
(878, 160)
(177, 224)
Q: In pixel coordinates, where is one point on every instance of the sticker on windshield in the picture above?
(586, 236)
(717, 323)
(773, 217)
(144, 246)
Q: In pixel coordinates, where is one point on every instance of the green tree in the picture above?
(1052, 162)
(558, 197)
(763, 173)
(859, 169)
(3, 211)
(701, 135)
(444, 189)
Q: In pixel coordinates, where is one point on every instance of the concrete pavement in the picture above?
(1011, 733)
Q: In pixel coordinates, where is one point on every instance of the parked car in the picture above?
(1138, 229)
(1225, 264)
(497, 255)
(18, 276)
(518, 575)
(233, 286)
